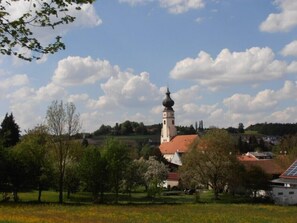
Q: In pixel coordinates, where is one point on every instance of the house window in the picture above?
(280, 193)
(291, 192)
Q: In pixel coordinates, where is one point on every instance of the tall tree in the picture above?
(210, 161)
(34, 148)
(118, 158)
(62, 122)
(10, 131)
(17, 36)
(94, 173)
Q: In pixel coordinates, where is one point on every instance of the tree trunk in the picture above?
(39, 193)
(61, 189)
(15, 196)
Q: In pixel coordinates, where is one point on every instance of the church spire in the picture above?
(168, 102)
(168, 125)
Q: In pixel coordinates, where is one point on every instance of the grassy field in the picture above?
(202, 213)
(173, 209)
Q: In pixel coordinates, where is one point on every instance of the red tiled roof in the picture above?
(269, 166)
(179, 143)
(246, 158)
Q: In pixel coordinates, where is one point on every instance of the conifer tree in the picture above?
(9, 132)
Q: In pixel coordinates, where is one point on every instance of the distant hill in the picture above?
(274, 129)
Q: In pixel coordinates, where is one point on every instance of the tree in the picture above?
(34, 148)
(4, 171)
(240, 128)
(118, 159)
(256, 179)
(154, 176)
(209, 161)
(9, 132)
(287, 149)
(17, 36)
(94, 173)
(62, 122)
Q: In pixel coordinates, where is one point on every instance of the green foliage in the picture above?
(94, 173)
(209, 161)
(9, 132)
(256, 179)
(118, 159)
(186, 130)
(274, 129)
(34, 155)
(18, 33)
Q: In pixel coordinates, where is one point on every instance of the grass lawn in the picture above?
(202, 213)
(138, 208)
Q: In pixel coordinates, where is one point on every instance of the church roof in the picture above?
(179, 144)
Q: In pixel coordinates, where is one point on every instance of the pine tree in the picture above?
(9, 132)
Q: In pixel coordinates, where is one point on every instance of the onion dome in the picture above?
(168, 102)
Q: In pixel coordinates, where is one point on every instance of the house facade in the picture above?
(284, 189)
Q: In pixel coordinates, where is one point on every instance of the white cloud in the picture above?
(136, 2)
(287, 115)
(73, 71)
(290, 49)
(199, 19)
(181, 6)
(284, 21)
(127, 89)
(13, 81)
(253, 65)
(263, 101)
(173, 6)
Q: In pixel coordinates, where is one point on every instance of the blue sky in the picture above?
(225, 62)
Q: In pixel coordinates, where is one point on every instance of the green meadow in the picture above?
(173, 209)
(173, 213)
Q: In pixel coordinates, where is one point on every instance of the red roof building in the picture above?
(179, 144)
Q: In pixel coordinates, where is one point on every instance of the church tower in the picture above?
(168, 124)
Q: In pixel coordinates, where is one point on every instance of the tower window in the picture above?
(164, 122)
(172, 122)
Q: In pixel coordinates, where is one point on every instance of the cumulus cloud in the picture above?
(254, 65)
(13, 81)
(173, 6)
(181, 6)
(290, 49)
(263, 101)
(128, 89)
(287, 115)
(73, 71)
(284, 21)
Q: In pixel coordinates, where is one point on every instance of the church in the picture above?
(172, 146)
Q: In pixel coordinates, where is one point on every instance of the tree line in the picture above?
(48, 157)
(138, 128)
(274, 129)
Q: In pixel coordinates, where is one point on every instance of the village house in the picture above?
(173, 147)
(284, 188)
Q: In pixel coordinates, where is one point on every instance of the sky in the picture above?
(225, 62)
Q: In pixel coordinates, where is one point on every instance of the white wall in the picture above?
(284, 195)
